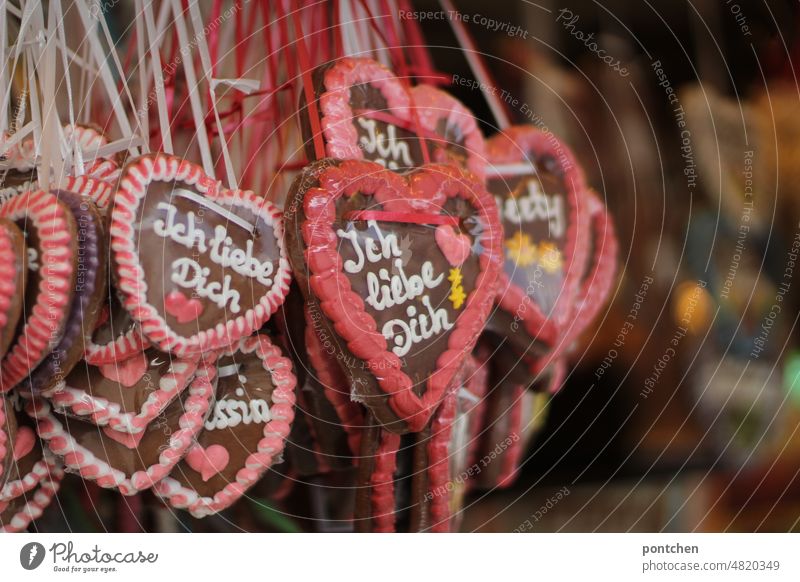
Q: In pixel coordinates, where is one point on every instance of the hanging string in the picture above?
(308, 84)
(477, 65)
(399, 60)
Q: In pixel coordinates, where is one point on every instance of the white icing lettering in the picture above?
(230, 412)
(535, 205)
(419, 327)
(387, 147)
(189, 274)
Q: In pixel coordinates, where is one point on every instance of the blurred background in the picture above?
(692, 146)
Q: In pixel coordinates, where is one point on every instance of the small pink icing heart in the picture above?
(455, 247)
(182, 308)
(127, 372)
(23, 442)
(209, 461)
(128, 440)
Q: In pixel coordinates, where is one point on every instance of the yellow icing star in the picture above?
(550, 257)
(521, 250)
(457, 295)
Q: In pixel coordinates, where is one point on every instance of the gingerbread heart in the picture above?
(174, 229)
(539, 189)
(458, 138)
(127, 395)
(131, 466)
(90, 289)
(362, 244)
(13, 257)
(365, 114)
(18, 513)
(117, 336)
(244, 435)
(50, 230)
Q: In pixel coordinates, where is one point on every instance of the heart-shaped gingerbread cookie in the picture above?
(13, 257)
(125, 395)
(176, 233)
(362, 242)
(129, 463)
(50, 232)
(539, 189)
(90, 289)
(243, 436)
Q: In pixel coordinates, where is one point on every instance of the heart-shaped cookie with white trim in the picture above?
(90, 290)
(539, 190)
(129, 463)
(363, 243)
(125, 395)
(13, 261)
(243, 436)
(50, 233)
(197, 265)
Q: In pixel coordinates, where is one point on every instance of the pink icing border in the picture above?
(98, 191)
(132, 189)
(269, 447)
(8, 275)
(41, 498)
(102, 412)
(336, 388)
(52, 303)
(346, 309)
(123, 347)
(81, 460)
(509, 147)
(341, 135)
(433, 105)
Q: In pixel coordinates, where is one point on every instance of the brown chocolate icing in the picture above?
(158, 253)
(243, 396)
